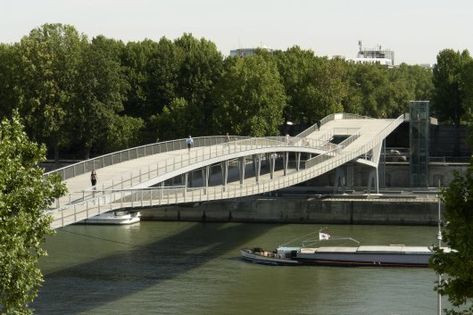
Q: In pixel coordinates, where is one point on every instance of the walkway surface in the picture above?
(136, 177)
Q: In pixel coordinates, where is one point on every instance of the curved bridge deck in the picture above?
(217, 167)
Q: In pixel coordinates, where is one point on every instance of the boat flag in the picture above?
(324, 236)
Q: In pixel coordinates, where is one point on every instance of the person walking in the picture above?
(189, 142)
(93, 178)
(93, 181)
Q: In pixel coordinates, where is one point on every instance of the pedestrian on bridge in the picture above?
(189, 142)
(93, 178)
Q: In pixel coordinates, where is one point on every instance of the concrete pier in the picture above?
(396, 211)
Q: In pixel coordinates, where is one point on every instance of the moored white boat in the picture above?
(396, 255)
(114, 217)
(382, 256)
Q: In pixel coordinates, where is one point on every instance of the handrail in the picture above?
(328, 118)
(135, 152)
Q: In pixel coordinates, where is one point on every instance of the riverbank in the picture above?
(373, 209)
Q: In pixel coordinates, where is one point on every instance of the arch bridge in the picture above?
(218, 167)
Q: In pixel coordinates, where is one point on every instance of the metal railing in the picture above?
(136, 152)
(328, 118)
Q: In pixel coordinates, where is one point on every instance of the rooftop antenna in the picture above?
(360, 45)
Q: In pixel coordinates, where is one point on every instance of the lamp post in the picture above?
(288, 126)
(439, 238)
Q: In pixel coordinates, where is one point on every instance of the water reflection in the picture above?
(180, 268)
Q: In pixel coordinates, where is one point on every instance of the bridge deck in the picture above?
(153, 169)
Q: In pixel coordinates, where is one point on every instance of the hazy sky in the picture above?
(416, 30)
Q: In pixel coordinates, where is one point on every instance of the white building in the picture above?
(375, 55)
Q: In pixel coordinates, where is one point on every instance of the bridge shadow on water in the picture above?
(81, 288)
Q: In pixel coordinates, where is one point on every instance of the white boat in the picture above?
(114, 217)
(395, 255)
(379, 256)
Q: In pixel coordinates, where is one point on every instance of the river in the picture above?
(194, 268)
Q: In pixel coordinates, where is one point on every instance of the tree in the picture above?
(250, 97)
(200, 70)
(100, 91)
(24, 195)
(9, 60)
(457, 265)
(50, 58)
(371, 86)
(448, 99)
(135, 61)
(172, 123)
(314, 86)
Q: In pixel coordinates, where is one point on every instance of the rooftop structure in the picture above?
(374, 55)
(244, 52)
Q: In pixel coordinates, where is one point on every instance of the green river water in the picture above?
(194, 268)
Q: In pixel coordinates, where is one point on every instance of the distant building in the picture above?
(426, 65)
(244, 52)
(374, 55)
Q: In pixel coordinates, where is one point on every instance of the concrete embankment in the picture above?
(395, 211)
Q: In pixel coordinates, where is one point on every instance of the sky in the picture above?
(416, 30)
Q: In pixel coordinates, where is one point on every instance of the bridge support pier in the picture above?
(224, 166)
(257, 166)
(285, 162)
(242, 166)
(272, 162)
(340, 179)
(374, 174)
(186, 182)
(298, 161)
(206, 177)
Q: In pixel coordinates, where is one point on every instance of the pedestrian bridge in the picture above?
(217, 167)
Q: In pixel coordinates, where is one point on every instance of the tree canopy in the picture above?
(250, 97)
(24, 195)
(457, 266)
(450, 79)
(84, 96)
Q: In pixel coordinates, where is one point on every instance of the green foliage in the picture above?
(24, 195)
(457, 266)
(449, 97)
(314, 86)
(49, 61)
(172, 123)
(250, 97)
(201, 69)
(100, 92)
(122, 132)
(75, 94)
(9, 95)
